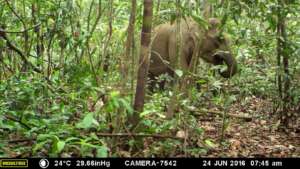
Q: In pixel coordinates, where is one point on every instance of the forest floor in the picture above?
(259, 137)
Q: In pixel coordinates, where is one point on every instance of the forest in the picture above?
(149, 78)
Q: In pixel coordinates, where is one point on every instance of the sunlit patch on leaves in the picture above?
(179, 72)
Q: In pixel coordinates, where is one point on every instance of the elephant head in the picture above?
(215, 49)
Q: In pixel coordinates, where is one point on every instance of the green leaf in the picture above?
(102, 151)
(60, 146)
(199, 130)
(54, 148)
(202, 81)
(114, 94)
(71, 139)
(39, 146)
(42, 137)
(145, 112)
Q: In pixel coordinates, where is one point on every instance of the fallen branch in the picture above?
(205, 112)
(17, 120)
(137, 135)
(20, 140)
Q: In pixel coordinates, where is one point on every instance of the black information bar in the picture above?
(63, 163)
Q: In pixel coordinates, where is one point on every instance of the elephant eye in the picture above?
(221, 39)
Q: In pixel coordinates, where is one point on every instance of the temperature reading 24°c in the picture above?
(60, 163)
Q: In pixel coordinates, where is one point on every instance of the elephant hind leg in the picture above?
(153, 82)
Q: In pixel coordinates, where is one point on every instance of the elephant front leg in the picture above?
(177, 55)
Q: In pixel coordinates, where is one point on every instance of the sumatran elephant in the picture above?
(206, 43)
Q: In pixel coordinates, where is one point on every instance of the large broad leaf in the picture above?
(60, 146)
(87, 121)
(57, 144)
(54, 148)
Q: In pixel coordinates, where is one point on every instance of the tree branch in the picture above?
(22, 31)
(18, 51)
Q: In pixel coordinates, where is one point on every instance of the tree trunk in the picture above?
(143, 62)
(179, 84)
(129, 44)
(207, 10)
(282, 52)
(279, 53)
(35, 10)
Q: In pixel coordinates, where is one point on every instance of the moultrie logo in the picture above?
(44, 163)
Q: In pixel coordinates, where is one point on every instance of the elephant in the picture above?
(212, 47)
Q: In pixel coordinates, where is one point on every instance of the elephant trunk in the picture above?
(229, 61)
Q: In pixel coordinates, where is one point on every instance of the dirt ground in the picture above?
(260, 137)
